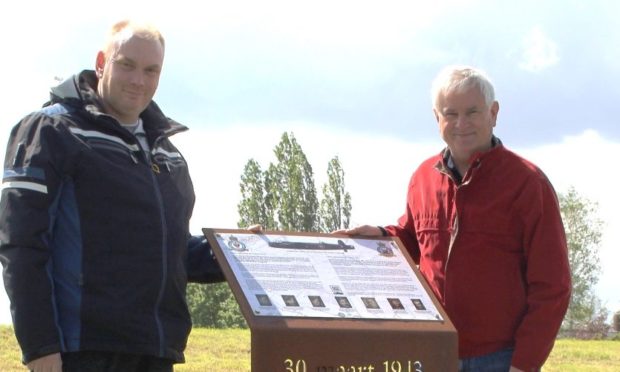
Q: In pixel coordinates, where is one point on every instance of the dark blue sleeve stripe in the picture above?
(31, 172)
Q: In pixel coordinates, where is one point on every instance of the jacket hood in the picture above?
(66, 89)
(82, 87)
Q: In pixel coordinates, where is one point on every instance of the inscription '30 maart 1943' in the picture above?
(299, 365)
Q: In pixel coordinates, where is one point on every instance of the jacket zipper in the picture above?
(466, 180)
(164, 260)
(453, 235)
(164, 241)
(455, 223)
(148, 159)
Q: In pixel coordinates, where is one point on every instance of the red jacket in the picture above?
(493, 249)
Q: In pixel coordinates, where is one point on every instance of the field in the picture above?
(222, 350)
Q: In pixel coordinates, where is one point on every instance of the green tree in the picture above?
(270, 200)
(214, 306)
(252, 209)
(291, 185)
(583, 235)
(284, 196)
(335, 212)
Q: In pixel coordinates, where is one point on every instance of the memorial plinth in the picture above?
(325, 303)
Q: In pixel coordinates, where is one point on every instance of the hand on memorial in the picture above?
(48, 363)
(364, 230)
(255, 228)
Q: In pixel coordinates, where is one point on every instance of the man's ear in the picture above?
(494, 111)
(100, 64)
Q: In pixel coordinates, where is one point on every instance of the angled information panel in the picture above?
(320, 302)
(325, 276)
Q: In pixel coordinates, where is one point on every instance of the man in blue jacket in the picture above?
(94, 220)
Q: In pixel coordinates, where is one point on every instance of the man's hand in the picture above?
(364, 230)
(48, 363)
(255, 228)
(515, 369)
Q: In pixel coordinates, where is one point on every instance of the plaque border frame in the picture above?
(258, 322)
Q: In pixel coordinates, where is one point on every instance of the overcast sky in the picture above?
(352, 79)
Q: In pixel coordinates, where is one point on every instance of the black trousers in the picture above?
(98, 361)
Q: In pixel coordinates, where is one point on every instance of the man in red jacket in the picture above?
(484, 225)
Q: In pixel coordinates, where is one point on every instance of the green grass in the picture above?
(217, 350)
(10, 355)
(221, 350)
(577, 355)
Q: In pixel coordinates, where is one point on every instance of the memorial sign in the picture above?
(319, 302)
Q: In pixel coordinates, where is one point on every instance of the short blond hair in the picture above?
(125, 29)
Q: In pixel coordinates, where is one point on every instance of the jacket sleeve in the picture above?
(547, 275)
(32, 169)
(202, 267)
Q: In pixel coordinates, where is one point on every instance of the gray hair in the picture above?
(455, 78)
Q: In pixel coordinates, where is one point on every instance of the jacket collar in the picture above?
(447, 156)
(80, 91)
(446, 164)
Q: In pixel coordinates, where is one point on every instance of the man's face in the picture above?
(465, 122)
(128, 77)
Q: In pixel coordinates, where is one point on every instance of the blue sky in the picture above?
(350, 78)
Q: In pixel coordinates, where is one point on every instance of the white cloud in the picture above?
(539, 51)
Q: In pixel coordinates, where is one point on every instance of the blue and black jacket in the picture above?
(94, 232)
